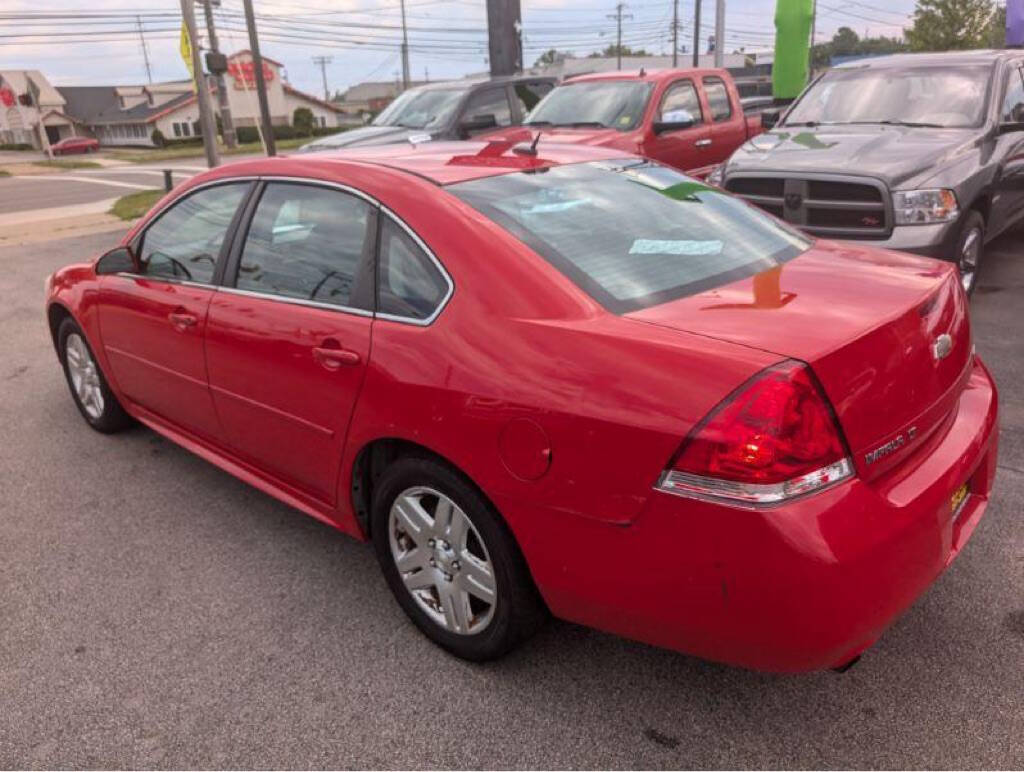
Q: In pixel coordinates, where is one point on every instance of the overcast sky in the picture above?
(447, 38)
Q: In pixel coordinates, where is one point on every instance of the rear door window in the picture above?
(185, 241)
(718, 99)
(633, 233)
(310, 243)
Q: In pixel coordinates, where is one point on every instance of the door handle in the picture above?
(333, 358)
(703, 143)
(182, 320)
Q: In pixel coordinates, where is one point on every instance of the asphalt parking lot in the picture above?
(157, 612)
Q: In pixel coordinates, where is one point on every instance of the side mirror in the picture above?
(478, 123)
(117, 260)
(770, 119)
(674, 120)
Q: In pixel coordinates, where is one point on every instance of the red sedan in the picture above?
(555, 379)
(71, 145)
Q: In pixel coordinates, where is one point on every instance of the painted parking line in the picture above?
(81, 178)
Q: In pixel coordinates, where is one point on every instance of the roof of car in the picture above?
(446, 163)
(653, 75)
(945, 58)
(476, 82)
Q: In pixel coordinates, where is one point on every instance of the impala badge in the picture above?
(942, 346)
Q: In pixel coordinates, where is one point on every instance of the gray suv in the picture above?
(452, 110)
(917, 152)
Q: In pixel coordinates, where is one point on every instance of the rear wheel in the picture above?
(96, 402)
(970, 248)
(451, 562)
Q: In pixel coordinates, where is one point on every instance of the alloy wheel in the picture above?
(442, 560)
(969, 254)
(85, 377)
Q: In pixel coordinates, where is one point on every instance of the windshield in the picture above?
(632, 233)
(615, 104)
(921, 96)
(421, 109)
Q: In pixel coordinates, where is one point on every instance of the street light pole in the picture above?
(209, 127)
(261, 84)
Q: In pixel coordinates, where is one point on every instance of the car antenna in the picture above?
(531, 149)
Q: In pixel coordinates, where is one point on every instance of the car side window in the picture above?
(718, 99)
(306, 242)
(409, 284)
(184, 242)
(682, 95)
(1013, 104)
(529, 94)
(490, 101)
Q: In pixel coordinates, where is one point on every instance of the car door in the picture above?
(288, 335)
(152, 322)
(1008, 201)
(685, 149)
(728, 126)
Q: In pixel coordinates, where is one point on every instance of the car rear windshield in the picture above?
(944, 97)
(631, 233)
(613, 104)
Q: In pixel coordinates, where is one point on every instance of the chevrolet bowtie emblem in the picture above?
(942, 346)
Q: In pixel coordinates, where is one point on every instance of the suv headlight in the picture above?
(716, 176)
(921, 207)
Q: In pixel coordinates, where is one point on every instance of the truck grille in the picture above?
(835, 207)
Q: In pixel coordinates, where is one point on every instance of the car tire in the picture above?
(441, 546)
(89, 388)
(970, 247)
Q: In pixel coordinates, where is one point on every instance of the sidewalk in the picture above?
(40, 225)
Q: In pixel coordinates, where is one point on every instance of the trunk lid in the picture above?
(887, 334)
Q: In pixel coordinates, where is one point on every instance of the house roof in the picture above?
(101, 105)
(309, 97)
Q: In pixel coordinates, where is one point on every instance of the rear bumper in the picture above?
(802, 587)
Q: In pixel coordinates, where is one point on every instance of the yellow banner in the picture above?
(186, 54)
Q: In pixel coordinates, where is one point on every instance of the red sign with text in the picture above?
(244, 74)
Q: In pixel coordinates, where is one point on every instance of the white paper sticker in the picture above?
(673, 247)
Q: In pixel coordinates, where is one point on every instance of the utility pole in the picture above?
(209, 127)
(675, 33)
(227, 124)
(618, 16)
(145, 51)
(405, 51)
(810, 55)
(323, 61)
(504, 46)
(696, 33)
(261, 84)
(719, 33)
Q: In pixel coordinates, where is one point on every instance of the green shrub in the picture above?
(157, 137)
(302, 121)
(248, 134)
(16, 146)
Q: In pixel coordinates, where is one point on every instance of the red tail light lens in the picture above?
(774, 439)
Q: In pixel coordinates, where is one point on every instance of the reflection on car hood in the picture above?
(892, 153)
(582, 136)
(365, 136)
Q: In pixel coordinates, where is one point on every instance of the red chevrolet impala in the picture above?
(555, 379)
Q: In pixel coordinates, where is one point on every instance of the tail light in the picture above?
(773, 439)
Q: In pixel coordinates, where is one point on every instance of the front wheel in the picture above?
(92, 395)
(451, 562)
(969, 251)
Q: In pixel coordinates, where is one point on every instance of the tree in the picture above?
(997, 30)
(552, 56)
(613, 50)
(944, 25)
(845, 41)
(302, 120)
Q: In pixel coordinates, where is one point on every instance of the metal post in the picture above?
(227, 123)
(261, 85)
(405, 52)
(719, 33)
(168, 181)
(209, 127)
(696, 33)
(323, 61)
(675, 33)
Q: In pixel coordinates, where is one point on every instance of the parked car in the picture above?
(555, 378)
(70, 145)
(692, 119)
(452, 110)
(922, 153)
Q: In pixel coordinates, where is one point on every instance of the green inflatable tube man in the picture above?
(793, 19)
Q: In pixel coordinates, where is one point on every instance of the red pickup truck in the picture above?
(691, 119)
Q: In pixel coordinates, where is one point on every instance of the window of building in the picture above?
(177, 129)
